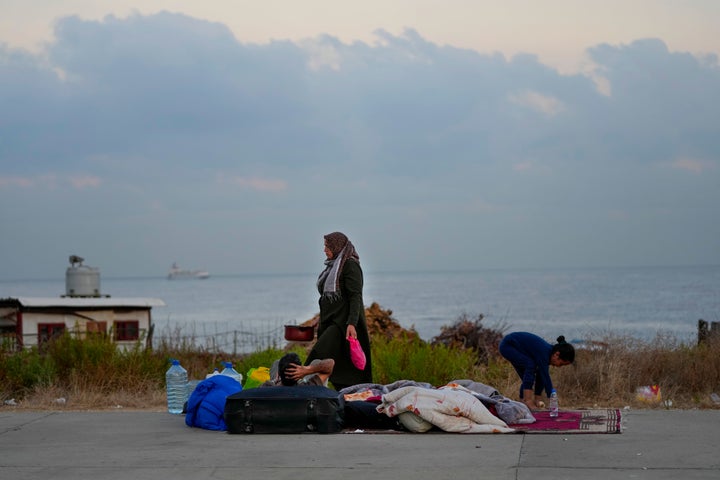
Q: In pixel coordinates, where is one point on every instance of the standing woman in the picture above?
(342, 313)
(531, 356)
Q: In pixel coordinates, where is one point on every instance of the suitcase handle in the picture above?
(248, 426)
(311, 415)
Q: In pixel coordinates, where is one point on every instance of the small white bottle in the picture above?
(215, 372)
(553, 403)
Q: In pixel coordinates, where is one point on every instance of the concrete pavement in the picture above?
(655, 444)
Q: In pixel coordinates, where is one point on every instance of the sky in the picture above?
(456, 135)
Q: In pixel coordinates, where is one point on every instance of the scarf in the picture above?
(329, 280)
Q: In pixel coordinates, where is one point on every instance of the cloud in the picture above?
(174, 112)
(532, 166)
(548, 105)
(51, 180)
(85, 181)
(22, 182)
(322, 54)
(693, 165)
(523, 166)
(29, 182)
(258, 184)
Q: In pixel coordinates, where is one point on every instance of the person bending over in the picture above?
(531, 356)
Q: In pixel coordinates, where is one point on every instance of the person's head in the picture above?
(334, 243)
(562, 353)
(286, 361)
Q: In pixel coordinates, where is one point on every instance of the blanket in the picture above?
(449, 409)
(509, 411)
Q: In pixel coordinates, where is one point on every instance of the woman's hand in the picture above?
(351, 332)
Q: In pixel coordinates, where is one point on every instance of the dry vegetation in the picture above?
(73, 375)
(609, 374)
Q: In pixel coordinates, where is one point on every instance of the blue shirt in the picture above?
(532, 356)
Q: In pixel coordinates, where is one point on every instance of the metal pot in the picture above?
(299, 333)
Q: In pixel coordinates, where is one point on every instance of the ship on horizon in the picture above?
(177, 273)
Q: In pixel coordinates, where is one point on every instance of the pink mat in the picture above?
(574, 421)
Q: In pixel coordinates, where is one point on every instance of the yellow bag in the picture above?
(256, 377)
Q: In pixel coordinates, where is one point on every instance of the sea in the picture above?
(245, 312)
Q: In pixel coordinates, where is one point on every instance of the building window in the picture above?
(127, 330)
(9, 339)
(96, 328)
(48, 331)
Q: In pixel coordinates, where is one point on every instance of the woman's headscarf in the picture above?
(342, 249)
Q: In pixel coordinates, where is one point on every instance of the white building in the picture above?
(30, 321)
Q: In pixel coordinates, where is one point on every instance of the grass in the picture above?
(686, 374)
(92, 374)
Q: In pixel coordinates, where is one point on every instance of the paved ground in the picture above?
(655, 444)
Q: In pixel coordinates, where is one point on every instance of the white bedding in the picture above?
(450, 409)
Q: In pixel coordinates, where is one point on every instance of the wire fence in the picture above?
(213, 338)
(219, 338)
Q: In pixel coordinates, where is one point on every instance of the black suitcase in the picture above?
(282, 409)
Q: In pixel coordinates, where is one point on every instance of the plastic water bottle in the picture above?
(176, 381)
(231, 372)
(215, 372)
(553, 404)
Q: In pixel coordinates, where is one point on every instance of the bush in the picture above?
(23, 371)
(467, 334)
(409, 358)
(94, 373)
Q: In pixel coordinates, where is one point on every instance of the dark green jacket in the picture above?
(334, 317)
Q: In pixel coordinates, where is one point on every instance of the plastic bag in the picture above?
(357, 356)
(648, 394)
(257, 376)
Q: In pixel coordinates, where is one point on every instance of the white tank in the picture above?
(82, 281)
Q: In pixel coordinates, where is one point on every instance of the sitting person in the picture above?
(289, 371)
